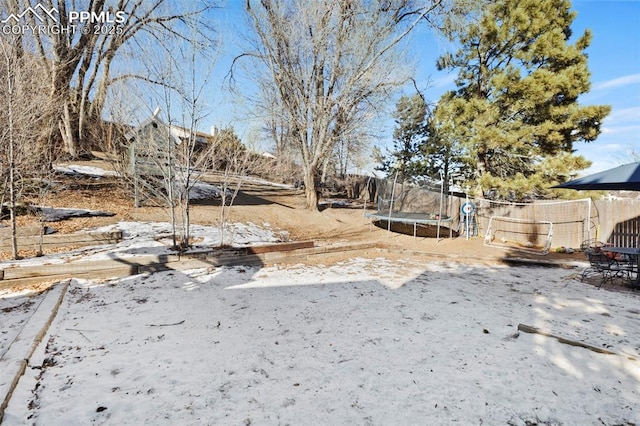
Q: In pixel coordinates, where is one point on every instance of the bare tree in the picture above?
(191, 78)
(332, 64)
(167, 153)
(229, 164)
(22, 108)
(82, 53)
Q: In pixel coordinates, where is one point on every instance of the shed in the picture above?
(156, 151)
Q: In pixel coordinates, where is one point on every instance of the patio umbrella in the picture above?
(621, 178)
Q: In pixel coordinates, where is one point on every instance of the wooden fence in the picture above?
(617, 222)
(569, 220)
(612, 221)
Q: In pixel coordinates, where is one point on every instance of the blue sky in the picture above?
(614, 62)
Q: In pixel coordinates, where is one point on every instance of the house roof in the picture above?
(178, 133)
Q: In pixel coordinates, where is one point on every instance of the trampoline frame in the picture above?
(409, 217)
(414, 218)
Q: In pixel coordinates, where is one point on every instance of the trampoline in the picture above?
(413, 218)
(412, 206)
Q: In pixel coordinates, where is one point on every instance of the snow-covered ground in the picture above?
(365, 341)
(144, 238)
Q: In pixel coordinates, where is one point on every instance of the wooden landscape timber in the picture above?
(25, 231)
(263, 255)
(294, 252)
(23, 348)
(30, 238)
(533, 330)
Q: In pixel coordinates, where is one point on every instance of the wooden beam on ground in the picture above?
(85, 266)
(241, 251)
(22, 231)
(298, 252)
(279, 247)
(534, 330)
(61, 240)
(119, 272)
(20, 351)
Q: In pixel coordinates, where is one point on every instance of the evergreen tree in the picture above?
(515, 112)
(443, 153)
(406, 158)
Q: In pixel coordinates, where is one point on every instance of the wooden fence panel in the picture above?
(617, 222)
(570, 219)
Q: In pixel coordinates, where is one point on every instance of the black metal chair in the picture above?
(603, 264)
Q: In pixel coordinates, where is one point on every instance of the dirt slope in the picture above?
(270, 206)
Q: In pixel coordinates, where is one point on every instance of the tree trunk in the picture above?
(325, 171)
(12, 195)
(70, 142)
(12, 160)
(481, 169)
(310, 188)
